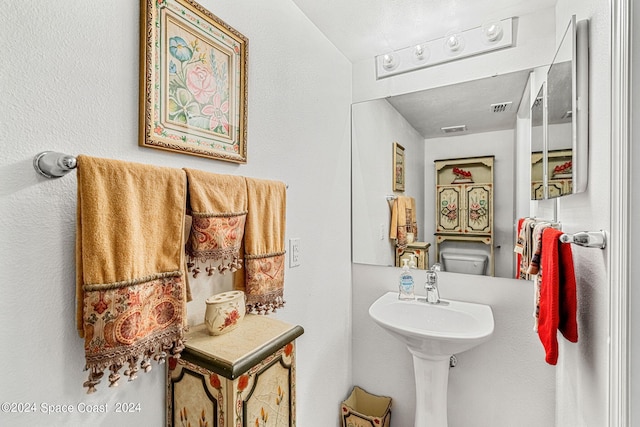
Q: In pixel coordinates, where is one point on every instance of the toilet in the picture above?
(466, 263)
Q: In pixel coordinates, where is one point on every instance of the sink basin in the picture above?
(432, 333)
(434, 330)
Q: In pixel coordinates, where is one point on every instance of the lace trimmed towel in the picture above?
(403, 220)
(218, 205)
(263, 282)
(524, 247)
(129, 256)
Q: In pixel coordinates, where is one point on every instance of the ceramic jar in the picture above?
(224, 312)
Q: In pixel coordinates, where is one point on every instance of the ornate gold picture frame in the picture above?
(193, 81)
(398, 167)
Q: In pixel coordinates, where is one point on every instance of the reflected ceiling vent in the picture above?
(501, 107)
(453, 129)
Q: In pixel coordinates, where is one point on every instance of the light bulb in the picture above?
(492, 31)
(389, 61)
(420, 54)
(453, 43)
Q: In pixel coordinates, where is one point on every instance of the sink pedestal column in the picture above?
(432, 378)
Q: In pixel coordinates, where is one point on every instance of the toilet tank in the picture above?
(464, 263)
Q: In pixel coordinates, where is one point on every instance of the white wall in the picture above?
(376, 126)
(69, 82)
(583, 368)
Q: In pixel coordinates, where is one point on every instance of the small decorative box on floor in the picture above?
(243, 378)
(363, 409)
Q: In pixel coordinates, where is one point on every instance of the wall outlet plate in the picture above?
(294, 252)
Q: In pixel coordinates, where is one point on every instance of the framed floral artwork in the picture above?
(193, 81)
(398, 167)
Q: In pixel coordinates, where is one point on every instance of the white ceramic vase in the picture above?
(224, 312)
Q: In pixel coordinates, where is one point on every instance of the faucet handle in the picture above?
(431, 279)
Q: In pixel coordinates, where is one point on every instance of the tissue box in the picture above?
(363, 409)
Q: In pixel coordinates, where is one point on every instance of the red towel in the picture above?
(558, 299)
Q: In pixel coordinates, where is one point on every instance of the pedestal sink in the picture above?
(432, 333)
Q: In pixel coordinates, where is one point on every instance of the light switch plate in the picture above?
(294, 252)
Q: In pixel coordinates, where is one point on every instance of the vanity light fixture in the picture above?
(493, 35)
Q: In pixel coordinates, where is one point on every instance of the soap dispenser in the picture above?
(406, 287)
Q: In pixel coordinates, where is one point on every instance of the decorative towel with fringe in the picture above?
(264, 250)
(218, 205)
(403, 220)
(129, 256)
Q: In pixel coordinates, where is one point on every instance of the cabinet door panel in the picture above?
(478, 209)
(448, 214)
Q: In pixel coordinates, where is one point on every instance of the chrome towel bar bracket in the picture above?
(51, 164)
(589, 239)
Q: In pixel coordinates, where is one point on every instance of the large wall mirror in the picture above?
(487, 107)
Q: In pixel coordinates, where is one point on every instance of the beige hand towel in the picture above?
(218, 205)
(264, 246)
(129, 257)
(403, 220)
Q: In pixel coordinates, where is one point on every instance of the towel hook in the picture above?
(51, 164)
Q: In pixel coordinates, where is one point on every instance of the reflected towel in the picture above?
(403, 220)
(524, 247)
(129, 258)
(263, 279)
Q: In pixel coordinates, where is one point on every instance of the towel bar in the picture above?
(588, 239)
(54, 165)
(51, 164)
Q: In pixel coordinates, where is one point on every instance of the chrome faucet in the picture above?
(431, 285)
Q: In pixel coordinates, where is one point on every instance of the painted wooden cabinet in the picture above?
(464, 202)
(243, 378)
(465, 208)
(419, 249)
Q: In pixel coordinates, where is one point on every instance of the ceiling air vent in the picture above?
(452, 129)
(501, 107)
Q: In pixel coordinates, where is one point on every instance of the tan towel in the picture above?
(403, 220)
(218, 205)
(129, 257)
(264, 246)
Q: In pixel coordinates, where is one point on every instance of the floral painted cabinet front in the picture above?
(258, 389)
(464, 202)
(464, 208)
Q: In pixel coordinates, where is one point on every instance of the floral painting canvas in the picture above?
(193, 90)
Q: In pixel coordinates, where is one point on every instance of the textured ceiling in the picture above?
(465, 103)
